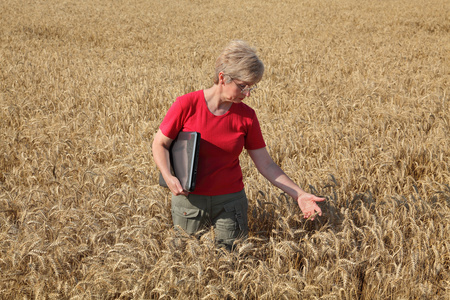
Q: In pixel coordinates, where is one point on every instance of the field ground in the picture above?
(354, 105)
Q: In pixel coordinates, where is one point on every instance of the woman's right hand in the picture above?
(175, 186)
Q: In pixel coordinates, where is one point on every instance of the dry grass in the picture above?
(354, 105)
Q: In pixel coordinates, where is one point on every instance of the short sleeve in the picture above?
(254, 138)
(173, 121)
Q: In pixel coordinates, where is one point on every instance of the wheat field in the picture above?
(354, 106)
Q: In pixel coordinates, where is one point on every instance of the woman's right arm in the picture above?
(160, 147)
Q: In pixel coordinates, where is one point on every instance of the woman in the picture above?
(226, 125)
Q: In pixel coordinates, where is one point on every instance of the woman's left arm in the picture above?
(270, 170)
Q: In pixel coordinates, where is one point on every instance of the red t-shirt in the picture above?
(222, 140)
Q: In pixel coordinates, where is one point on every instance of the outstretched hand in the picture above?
(308, 205)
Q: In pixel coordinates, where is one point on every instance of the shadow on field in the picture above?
(279, 214)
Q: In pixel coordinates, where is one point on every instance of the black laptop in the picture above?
(184, 159)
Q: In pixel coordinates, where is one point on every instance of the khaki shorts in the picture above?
(226, 213)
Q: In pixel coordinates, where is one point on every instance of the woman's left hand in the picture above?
(308, 205)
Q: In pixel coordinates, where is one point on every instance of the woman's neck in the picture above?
(216, 104)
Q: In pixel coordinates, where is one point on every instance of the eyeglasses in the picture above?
(244, 88)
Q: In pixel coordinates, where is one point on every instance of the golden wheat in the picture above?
(354, 105)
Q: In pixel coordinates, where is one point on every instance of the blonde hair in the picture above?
(239, 61)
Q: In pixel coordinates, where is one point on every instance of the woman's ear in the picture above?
(221, 78)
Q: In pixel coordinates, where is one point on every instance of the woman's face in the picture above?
(236, 90)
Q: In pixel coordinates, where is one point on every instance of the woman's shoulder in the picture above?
(191, 99)
(192, 96)
(245, 110)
